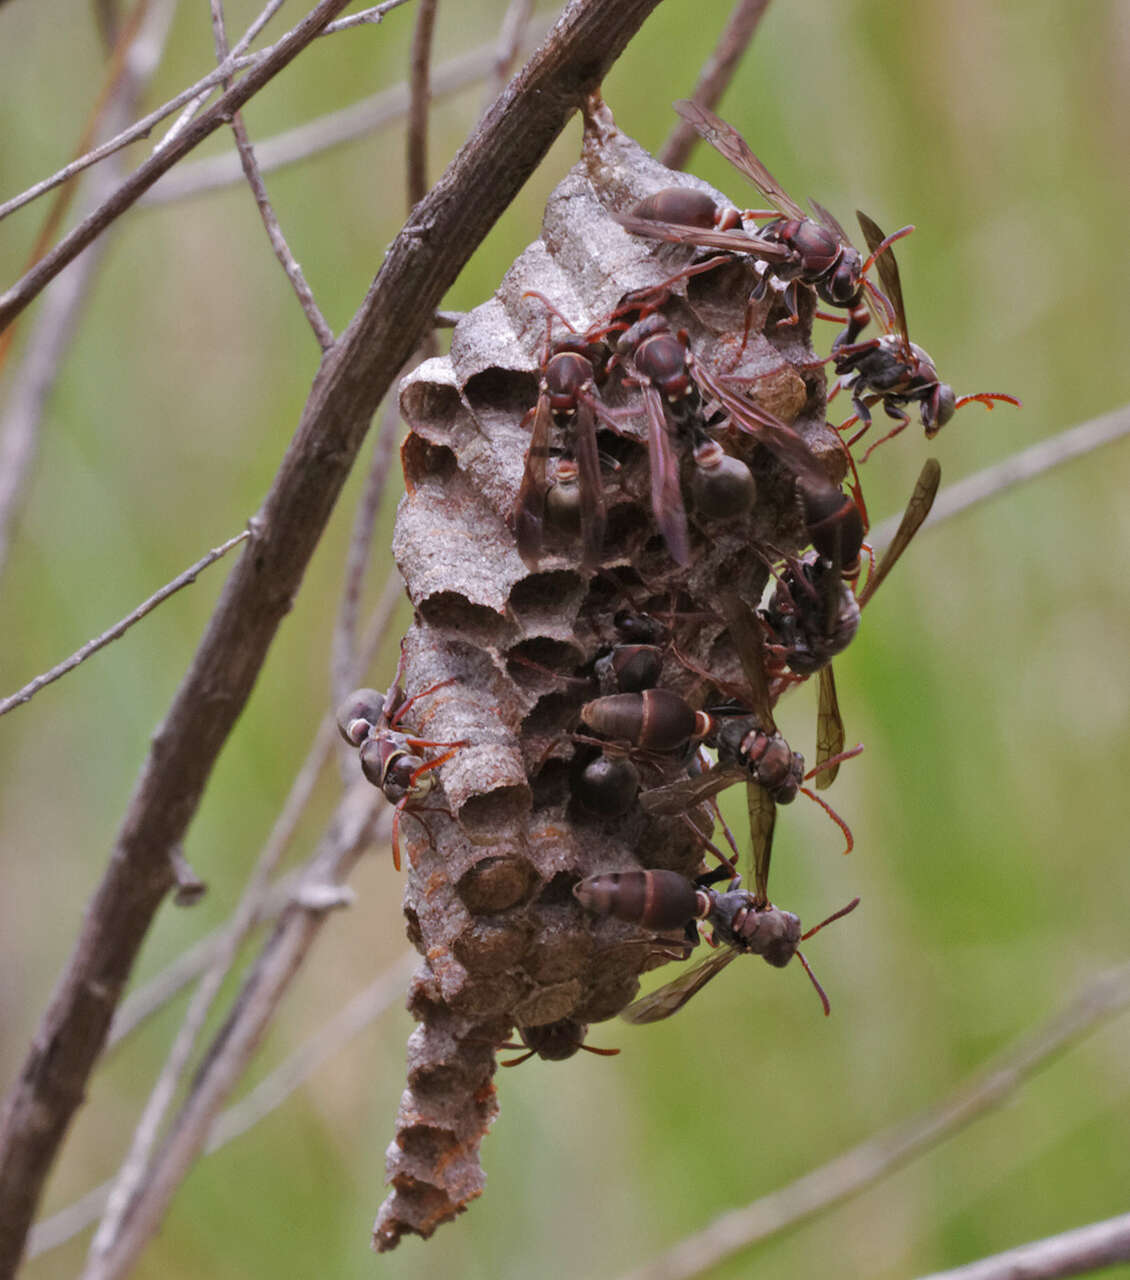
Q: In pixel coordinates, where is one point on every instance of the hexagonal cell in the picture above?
(482, 997)
(548, 1004)
(555, 656)
(489, 946)
(501, 394)
(482, 816)
(496, 884)
(421, 459)
(554, 593)
(434, 403)
(562, 951)
(452, 613)
(608, 1000)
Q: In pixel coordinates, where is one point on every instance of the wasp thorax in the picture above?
(358, 714)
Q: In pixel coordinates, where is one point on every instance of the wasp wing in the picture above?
(669, 999)
(529, 509)
(889, 277)
(703, 237)
(593, 515)
(666, 493)
(829, 729)
(678, 797)
(727, 141)
(917, 509)
(745, 633)
(762, 819)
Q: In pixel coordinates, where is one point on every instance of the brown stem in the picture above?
(355, 374)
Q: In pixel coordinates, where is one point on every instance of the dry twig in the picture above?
(872, 1160)
(1073, 1253)
(715, 77)
(421, 263)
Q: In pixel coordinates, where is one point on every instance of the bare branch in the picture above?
(515, 22)
(344, 674)
(420, 100)
(871, 1161)
(267, 1096)
(294, 274)
(715, 77)
(1063, 447)
(371, 16)
(354, 376)
(1073, 1253)
(122, 1237)
(265, 69)
(120, 628)
(335, 129)
(51, 336)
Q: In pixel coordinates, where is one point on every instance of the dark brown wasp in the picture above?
(553, 1041)
(571, 369)
(390, 758)
(891, 370)
(662, 366)
(792, 248)
(750, 750)
(664, 900)
(815, 614)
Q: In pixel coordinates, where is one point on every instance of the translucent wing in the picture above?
(678, 797)
(745, 633)
(727, 141)
(669, 999)
(829, 729)
(888, 274)
(777, 436)
(762, 819)
(829, 220)
(529, 509)
(666, 495)
(917, 509)
(705, 237)
(593, 517)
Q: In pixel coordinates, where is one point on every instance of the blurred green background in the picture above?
(990, 681)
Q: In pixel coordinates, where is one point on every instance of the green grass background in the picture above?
(990, 680)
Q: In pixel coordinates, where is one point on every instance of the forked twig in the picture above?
(355, 375)
(287, 260)
(268, 1095)
(872, 1160)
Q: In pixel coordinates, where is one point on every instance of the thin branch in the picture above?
(143, 1003)
(344, 674)
(120, 628)
(248, 912)
(420, 101)
(148, 999)
(355, 375)
(715, 76)
(511, 34)
(198, 177)
(287, 260)
(32, 283)
(873, 1160)
(1063, 447)
(268, 1095)
(372, 16)
(1073, 1253)
(351, 832)
(42, 359)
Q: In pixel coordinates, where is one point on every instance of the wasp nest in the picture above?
(494, 856)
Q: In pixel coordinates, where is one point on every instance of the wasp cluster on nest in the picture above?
(582, 543)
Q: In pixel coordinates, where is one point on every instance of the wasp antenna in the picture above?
(812, 978)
